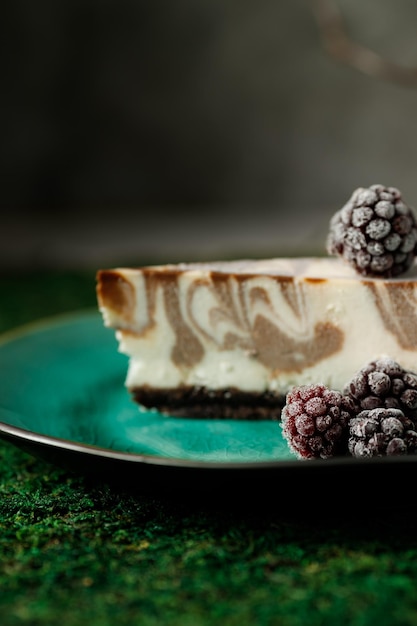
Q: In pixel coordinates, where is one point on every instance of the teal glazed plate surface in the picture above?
(62, 397)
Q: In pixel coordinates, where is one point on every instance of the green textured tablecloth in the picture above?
(72, 552)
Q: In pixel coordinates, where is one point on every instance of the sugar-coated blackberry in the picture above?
(381, 432)
(383, 383)
(315, 421)
(376, 232)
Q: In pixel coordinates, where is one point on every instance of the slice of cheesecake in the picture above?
(229, 339)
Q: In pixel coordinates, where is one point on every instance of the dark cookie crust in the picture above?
(201, 402)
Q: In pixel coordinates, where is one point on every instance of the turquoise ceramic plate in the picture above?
(62, 396)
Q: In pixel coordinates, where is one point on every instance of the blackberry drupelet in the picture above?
(376, 232)
(383, 383)
(315, 421)
(381, 432)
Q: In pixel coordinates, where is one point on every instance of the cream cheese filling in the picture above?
(352, 310)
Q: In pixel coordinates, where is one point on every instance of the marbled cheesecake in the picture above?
(229, 339)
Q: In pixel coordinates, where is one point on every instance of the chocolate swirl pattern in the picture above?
(397, 305)
(268, 319)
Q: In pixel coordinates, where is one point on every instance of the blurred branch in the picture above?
(341, 47)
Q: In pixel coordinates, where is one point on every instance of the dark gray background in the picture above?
(166, 130)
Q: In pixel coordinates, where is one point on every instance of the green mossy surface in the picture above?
(73, 552)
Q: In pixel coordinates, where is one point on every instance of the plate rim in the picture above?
(43, 323)
(10, 432)
(60, 443)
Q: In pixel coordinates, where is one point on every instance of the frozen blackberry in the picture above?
(381, 432)
(376, 232)
(383, 383)
(315, 421)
